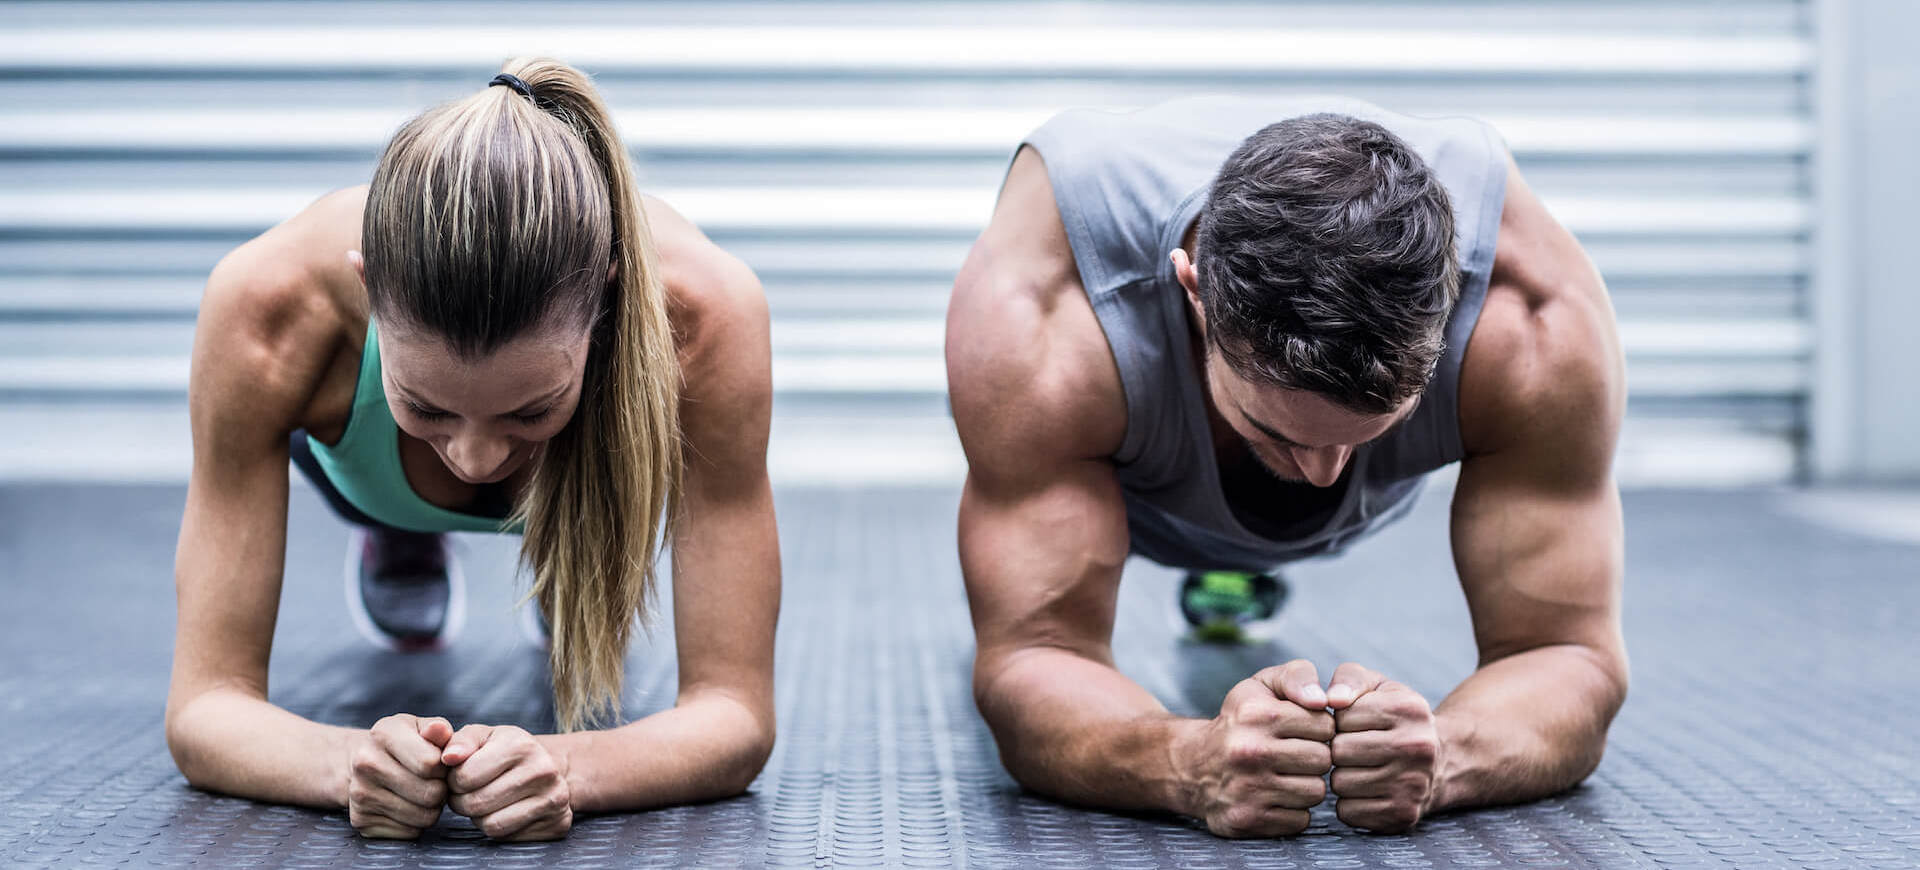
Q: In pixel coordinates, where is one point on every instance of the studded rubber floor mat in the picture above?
(1774, 719)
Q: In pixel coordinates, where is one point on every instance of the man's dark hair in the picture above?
(1326, 262)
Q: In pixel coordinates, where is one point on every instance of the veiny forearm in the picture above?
(708, 747)
(228, 741)
(1525, 726)
(1078, 730)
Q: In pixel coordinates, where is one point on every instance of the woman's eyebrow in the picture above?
(543, 401)
(412, 396)
(530, 406)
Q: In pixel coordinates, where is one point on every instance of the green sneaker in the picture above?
(1219, 603)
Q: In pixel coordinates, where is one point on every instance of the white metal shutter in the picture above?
(850, 152)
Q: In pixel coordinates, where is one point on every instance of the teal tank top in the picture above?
(365, 465)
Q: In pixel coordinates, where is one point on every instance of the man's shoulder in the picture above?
(1544, 364)
(1029, 371)
(1030, 375)
(1543, 375)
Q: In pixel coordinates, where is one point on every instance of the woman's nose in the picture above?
(476, 458)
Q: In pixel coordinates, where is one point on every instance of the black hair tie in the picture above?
(514, 82)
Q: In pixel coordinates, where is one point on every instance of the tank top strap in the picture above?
(364, 465)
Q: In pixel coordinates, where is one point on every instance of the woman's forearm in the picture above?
(710, 746)
(238, 744)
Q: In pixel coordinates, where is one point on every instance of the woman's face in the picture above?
(484, 417)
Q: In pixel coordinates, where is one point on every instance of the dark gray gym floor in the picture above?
(1773, 720)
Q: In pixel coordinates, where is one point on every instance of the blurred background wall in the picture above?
(1734, 168)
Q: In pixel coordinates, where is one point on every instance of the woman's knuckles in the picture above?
(366, 763)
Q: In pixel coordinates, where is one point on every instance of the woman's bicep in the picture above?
(726, 594)
(726, 554)
(253, 368)
(227, 572)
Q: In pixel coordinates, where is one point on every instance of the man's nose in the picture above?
(1322, 465)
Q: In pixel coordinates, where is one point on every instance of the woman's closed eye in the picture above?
(426, 413)
(435, 414)
(535, 417)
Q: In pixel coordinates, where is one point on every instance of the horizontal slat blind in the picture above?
(850, 151)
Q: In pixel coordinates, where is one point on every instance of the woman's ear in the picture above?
(613, 271)
(359, 264)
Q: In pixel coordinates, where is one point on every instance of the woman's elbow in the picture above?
(750, 736)
(750, 757)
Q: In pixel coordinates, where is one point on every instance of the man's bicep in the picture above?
(1540, 561)
(1042, 556)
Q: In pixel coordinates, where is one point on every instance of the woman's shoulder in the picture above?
(713, 297)
(720, 325)
(302, 261)
(288, 302)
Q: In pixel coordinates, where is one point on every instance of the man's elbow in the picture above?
(1000, 690)
(1612, 686)
(1617, 674)
(992, 672)
(183, 744)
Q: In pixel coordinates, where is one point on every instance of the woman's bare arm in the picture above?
(263, 341)
(726, 569)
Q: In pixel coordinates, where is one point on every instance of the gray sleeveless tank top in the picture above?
(1128, 186)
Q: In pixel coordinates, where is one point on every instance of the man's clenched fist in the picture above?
(1255, 769)
(1386, 754)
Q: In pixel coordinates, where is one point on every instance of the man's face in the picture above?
(1300, 437)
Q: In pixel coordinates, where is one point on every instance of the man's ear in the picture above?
(359, 264)
(1189, 278)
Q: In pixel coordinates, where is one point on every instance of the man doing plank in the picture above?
(1227, 334)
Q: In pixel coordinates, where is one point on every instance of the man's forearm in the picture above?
(1526, 726)
(708, 747)
(1078, 730)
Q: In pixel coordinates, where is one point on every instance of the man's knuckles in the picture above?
(1248, 820)
(1396, 701)
(1408, 706)
(1250, 694)
(1411, 787)
(1317, 725)
(1301, 792)
(1356, 782)
(1248, 750)
(1260, 710)
(1240, 819)
(1417, 749)
(1306, 757)
(1382, 816)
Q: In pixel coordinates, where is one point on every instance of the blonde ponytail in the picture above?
(600, 504)
(529, 199)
